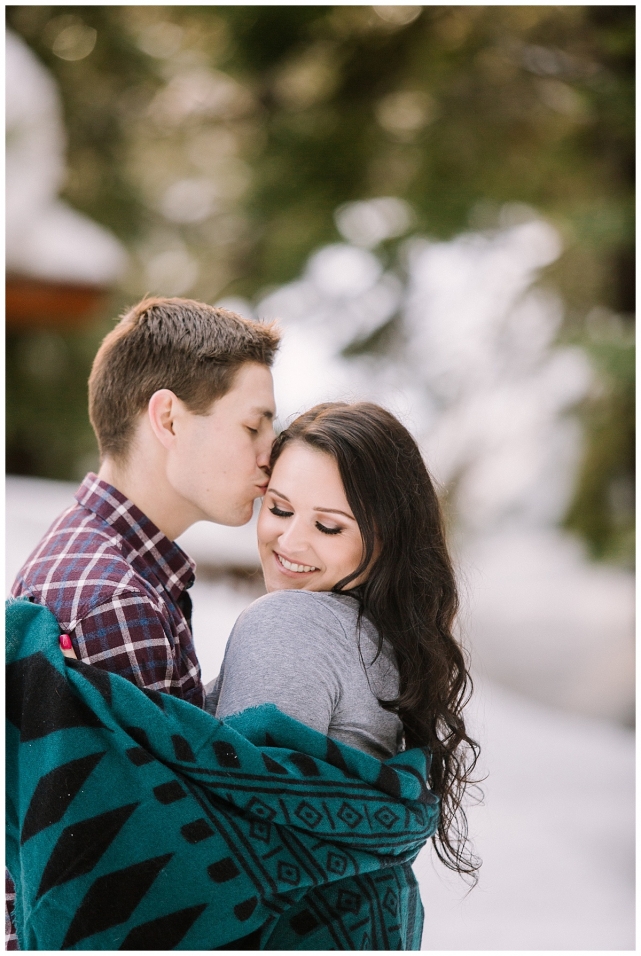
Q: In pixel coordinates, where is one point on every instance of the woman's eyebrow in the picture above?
(335, 511)
(275, 491)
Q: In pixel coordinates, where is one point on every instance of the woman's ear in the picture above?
(161, 412)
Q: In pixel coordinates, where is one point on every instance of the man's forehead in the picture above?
(253, 391)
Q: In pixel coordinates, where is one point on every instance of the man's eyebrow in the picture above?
(263, 412)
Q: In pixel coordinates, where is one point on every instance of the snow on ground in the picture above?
(556, 834)
(556, 831)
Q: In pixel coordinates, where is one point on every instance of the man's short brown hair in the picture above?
(189, 347)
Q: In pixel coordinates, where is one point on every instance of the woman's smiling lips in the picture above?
(291, 567)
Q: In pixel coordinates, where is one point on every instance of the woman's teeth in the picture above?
(294, 567)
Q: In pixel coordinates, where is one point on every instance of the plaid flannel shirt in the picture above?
(118, 587)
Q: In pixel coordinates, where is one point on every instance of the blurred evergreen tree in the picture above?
(455, 109)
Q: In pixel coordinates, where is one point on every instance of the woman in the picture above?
(355, 637)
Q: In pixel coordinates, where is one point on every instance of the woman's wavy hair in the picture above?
(409, 594)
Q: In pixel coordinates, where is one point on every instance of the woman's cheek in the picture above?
(263, 524)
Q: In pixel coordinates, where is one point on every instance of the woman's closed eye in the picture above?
(275, 510)
(321, 527)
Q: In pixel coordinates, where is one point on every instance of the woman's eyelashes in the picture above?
(280, 513)
(321, 527)
(275, 510)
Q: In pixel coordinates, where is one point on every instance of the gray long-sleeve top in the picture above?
(300, 651)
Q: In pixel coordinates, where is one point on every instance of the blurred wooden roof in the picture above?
(36, 303)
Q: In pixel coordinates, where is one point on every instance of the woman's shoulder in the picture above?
(320, 608)
(296, 596)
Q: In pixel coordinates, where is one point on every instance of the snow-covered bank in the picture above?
(546, 622)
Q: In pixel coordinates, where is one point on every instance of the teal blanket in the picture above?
(137, 821)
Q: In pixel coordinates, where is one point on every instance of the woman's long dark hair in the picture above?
(409, 593)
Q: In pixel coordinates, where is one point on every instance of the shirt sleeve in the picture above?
(10, 935)
(212, 693)
(284, 650)
(127, 635)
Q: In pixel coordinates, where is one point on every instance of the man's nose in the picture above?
(264, 452)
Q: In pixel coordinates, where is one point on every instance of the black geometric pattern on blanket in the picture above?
(139, 823)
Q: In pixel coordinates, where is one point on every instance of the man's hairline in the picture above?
(235, 370)
(123, 459)
(232, 382)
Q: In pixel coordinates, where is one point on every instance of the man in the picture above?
(181, 401)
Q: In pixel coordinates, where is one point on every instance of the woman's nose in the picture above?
(294, 538)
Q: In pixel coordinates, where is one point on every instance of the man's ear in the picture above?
(161, 412)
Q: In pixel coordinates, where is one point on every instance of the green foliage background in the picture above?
(531, 104)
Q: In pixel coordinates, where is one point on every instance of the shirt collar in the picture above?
(167, 560)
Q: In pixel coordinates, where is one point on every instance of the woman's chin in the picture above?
(275, 581)
(278, 583)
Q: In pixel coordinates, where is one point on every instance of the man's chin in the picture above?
(236, 520)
